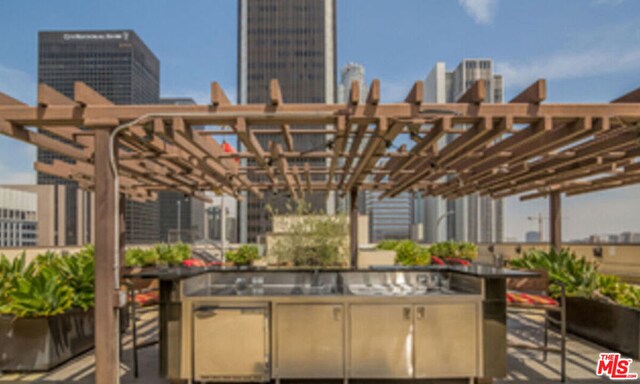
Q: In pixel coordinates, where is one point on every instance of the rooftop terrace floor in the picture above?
(525, 366)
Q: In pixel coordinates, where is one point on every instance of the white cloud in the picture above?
(571, 65)
(482, 11)
(18, 84)
(614, 49)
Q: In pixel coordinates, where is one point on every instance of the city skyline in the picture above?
(577, 64)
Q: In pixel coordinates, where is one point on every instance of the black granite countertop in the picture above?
(181, 272)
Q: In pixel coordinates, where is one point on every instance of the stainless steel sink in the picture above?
(271, 290)
(392, 290)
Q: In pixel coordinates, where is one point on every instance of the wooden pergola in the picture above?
(523, 147)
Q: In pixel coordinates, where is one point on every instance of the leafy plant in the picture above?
(313, 240)
(244, 255)
(578, 275)
(387, 245)
(410, 253)
(456, 249)
(78, 271)
(612, 289)
(138, 257)
(161, 254)
(42, 294)
(10, 271)
(52, 284)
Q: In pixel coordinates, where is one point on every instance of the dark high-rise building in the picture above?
(181, 217)
(122, 68)
(293, 41)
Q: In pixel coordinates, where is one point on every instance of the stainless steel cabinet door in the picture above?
(310, 341)
(230, 342)
(380, 341)
(446, 338)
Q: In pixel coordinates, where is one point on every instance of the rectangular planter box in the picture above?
(40, 344)
(609, 325)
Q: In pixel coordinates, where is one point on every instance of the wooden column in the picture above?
(555, 220)
(353, 221)
(106, 316)
(122, 226)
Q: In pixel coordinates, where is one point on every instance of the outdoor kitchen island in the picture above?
(383, 323)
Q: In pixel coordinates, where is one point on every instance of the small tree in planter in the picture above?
(311, 240)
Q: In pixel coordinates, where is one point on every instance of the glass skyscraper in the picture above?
(118, 65)
(292, 41)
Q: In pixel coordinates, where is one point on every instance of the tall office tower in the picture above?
(293, 41)
(122, 68)
(180, 217)
(471, 218)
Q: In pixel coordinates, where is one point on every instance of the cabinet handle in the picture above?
(337, 313)
(407, 313)
(420, 313)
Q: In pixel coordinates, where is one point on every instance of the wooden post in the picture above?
(106, 316)
(555, 220)
(122, 204)
(353, 221)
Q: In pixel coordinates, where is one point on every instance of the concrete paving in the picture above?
(525, 366)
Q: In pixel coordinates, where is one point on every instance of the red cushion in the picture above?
(147, 298)
(436, 260)
(455, 260)
(515, 297)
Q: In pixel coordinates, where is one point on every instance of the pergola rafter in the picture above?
(492, 149)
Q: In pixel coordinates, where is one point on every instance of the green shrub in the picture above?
(43, 294)
(409, 253)
(456, 249)
(138, 257)
(244, 255)
(10, 271)
(78, 271)
(52, 284)
(161, 254)
(313, 241)
(49, 285)
(387, 245)
(578, 275)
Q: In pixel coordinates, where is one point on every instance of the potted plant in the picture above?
(46, 310)
(243, 256)
(453, 252)
(161, 255)
(600, 308)
(312, 240)
(409, 253)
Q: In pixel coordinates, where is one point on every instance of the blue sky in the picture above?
(588, 50)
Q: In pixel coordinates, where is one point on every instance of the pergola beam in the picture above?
(562, 143)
